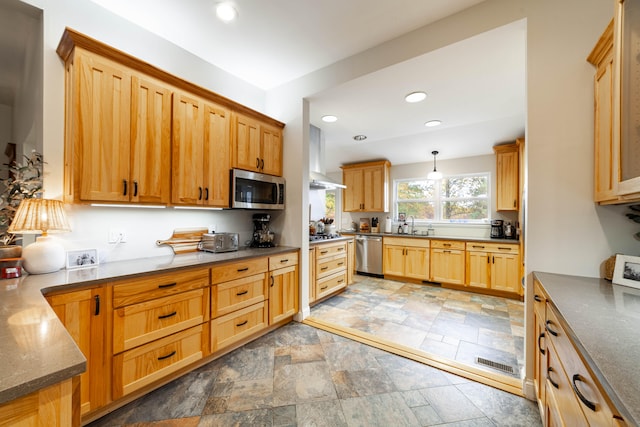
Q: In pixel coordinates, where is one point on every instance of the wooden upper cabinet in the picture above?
(256, 146)
(200, 152)
(101, 108)
(507, 177)
(367, 186)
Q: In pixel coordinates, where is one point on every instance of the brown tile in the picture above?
(179, 422)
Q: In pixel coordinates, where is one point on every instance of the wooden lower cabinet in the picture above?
(231, 328)
(493, 266)
(447, 262)
(51, 406)
(283, 287)
(83, 313)
(141, 366)
(406, 257)
(351, 260)
(331, 269)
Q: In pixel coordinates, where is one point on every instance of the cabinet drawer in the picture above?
(330, 249)
(143, 365)
(240, 324)
(327, 266)
(144, 322)
(492, 247)
(155, 286)
(236, 294)
(592, 401)
(237, 270)
(330, 284)
(415, 242)
(283, 260)
(448, 244)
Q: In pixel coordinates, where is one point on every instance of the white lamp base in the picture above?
(46, 255)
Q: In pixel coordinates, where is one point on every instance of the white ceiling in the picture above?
(476, 87)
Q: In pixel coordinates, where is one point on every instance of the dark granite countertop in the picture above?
(36, 349)
(602, 319)
(439, 237)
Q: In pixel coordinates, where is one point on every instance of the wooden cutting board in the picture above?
(184, 239)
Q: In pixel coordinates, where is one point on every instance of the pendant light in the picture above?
(434, 174)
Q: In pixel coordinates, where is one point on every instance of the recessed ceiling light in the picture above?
(415, 97)
(226, 12)
(360, 137)
(432, 123)
(329, 118)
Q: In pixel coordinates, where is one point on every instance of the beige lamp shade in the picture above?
(39, 216)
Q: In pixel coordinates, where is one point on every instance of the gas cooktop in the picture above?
(317, 237)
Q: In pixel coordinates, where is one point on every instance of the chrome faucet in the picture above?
(413, 219)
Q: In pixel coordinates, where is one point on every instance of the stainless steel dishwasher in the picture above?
(369, 255)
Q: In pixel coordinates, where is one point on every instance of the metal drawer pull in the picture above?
(97, 300)
(165, 316)
(240, 270)
(504, 249)
(341, 248)
(242, 323)
(551, 331)
(587, 402)
(553, 383)
(242, 293)
(537, 298)
(168, 285)
(324, 287)
(446, 244)
(542, 350)
(341, 280)
(341, 263)
(324, 268)
(284, 260)
(167, 356)
(323, 252)
(477, 247)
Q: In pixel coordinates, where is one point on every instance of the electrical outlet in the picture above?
(117, 235)
(212, 228)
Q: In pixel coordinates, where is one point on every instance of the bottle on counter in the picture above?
(400, 229)
(405, 228)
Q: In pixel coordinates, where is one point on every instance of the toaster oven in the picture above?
(219, 242)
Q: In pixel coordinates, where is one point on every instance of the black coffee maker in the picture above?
(497, 231)
(262, 236)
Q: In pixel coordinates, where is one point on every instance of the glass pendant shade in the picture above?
(434, 174)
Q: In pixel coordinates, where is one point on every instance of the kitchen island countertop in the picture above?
(36, 349)
(602, 319)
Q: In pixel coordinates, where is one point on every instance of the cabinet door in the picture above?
(416, 263)
(312, 275)
(540, 359)
(604, 173)
(353, 195)
(102, 126)
(507, 178)
(351, 260)
(187, 149)
(478, 269)
(393, 260)
(505, 272)
(374, 189)
(447, 266)
(271, 150)
(83, 315)
(283, 293)
(151, 142)
(246, 144)
(217, 156)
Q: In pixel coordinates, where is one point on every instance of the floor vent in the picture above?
(495, 365)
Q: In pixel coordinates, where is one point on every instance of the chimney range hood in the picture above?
(317, 179)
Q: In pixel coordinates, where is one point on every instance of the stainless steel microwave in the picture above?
(252, 190)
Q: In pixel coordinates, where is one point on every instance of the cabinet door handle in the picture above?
(542, 350)
(168, 285)
(493, 260)
(199, 193)
(97, 300)
(587, 402)
(262, 164)
(124, 187)
(135, 188)
(514, 203)
(551, 331)
(553, 383)
(206, 193)
(242, 323)
(257, 163)
(166, 316)
(272, 281)
(240, 270)
(242, 293)
(167, 356)
(488, 259)
(537, 298)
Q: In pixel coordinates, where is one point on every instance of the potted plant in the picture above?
(24, 181)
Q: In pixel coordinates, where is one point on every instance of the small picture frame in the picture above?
(82, 258)
(402, 216)
(627, 271)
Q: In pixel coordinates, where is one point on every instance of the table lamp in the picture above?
(41, 216)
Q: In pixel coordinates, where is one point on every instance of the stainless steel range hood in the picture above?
(317, 179)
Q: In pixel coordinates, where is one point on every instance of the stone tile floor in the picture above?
(302, 376)
(456, 325)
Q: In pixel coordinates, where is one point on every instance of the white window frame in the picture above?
(439, 200)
